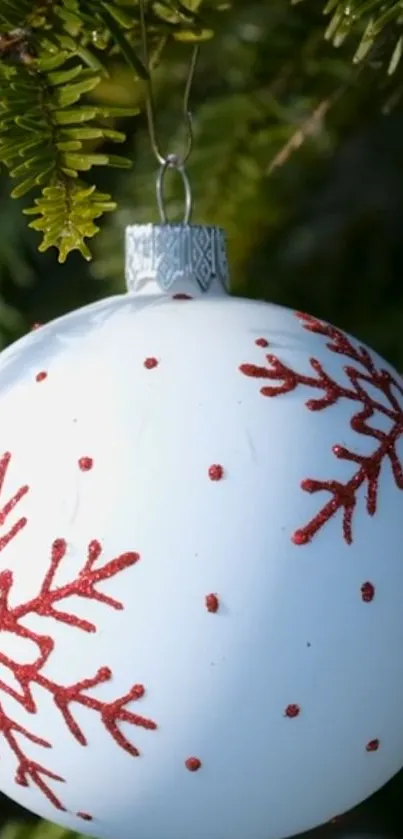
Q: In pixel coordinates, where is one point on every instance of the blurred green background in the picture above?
(299, 156)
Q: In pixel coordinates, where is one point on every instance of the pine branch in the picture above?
(376, 24)
(66, 216)
(50, 61)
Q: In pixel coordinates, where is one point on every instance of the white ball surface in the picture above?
(158, 613)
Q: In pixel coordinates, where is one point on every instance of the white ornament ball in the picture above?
(201, 569)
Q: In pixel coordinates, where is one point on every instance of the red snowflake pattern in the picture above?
(9, 505)
(28, 676)
(368, 467)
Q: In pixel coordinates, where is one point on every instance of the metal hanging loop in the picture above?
(170, 161)
(173, 162)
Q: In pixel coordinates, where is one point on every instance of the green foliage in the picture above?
(54, 55)
(42, 830)
(67, 211)
(378, 26)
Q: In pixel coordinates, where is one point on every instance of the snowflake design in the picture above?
(27, 675)
(9, 506)
(360, 372)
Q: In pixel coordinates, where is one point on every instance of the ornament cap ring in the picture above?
(185, 258)
(173, 161)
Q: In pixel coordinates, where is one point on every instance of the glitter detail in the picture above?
(292, 711)
(367, 592)
(36, 326)
(150, 363)
(212, 603)
(85, 463)
(8, 507)
(40, 377)
(216, 472)
(372, 746)
(261, 342)
(33, 675)
(182, 296)
(368, 467)
(193, 764)
(300, 537)
(85, 816)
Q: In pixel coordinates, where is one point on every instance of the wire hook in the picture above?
(150, 110)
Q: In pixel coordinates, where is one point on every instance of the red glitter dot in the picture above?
(216, 472)
(85, 816)
(367, 592)
(212, 603)
(261, 342)
(372, 746)
(150, 363)
(193, 764)
(85, 463)
(36, 326)
(181, 296)
(41, 376)
(292, 711)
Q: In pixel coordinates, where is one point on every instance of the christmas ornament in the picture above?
(200, 558)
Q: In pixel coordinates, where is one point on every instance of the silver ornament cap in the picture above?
(176, 258)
